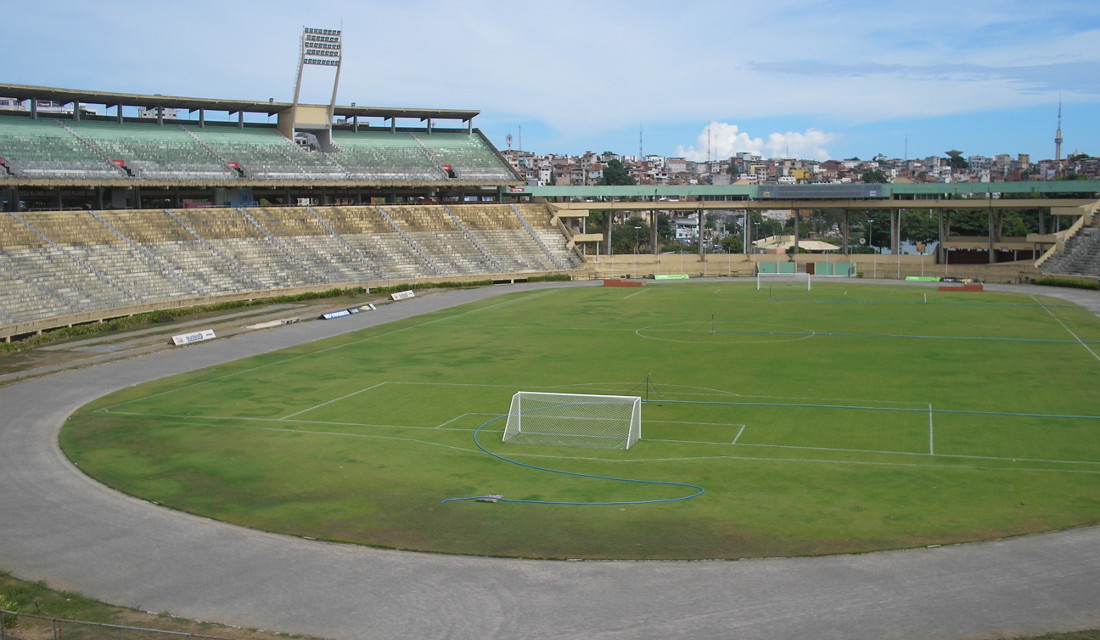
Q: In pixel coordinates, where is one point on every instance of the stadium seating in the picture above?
(263, 153)
(153, 152)
(469, 155)
(184, 152)
(59, 263)
(385, 157)
(43, 149)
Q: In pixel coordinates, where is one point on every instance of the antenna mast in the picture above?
(1058, 134)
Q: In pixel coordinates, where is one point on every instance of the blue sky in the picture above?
(695, 78)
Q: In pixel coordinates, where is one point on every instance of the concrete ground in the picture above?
(58, 525)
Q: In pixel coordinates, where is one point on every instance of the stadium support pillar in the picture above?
(795, 246)
(12, 199)
(944, 230)
(608, 222)
(895, 231)
(653, 232)
(702, 230)
(994, 235)
(844, 231)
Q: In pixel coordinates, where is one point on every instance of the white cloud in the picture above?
(721, 140)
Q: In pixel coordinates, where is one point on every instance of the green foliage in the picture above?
(423, 286)
(614, 173)
(733, 244)
(10, 619)
(1065, 282)
(764, 227)
(955, 160)
(874, 176)
(37, 598)
(919, 226)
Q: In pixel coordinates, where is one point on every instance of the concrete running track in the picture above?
(58, 525)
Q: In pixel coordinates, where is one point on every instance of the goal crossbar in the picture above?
(799, 278)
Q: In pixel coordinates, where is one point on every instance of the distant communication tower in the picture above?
(1058, 134)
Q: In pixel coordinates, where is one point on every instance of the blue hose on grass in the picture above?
(496, 498)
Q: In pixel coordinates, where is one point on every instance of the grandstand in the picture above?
(65, 267)
(108, 215)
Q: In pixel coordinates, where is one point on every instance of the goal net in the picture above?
(799, 280)
(574, 420)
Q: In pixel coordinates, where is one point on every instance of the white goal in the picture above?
(574, 420)
(799, 280)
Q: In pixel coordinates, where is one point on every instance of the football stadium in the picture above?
(449, 411)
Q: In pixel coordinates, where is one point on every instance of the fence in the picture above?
(25, 626)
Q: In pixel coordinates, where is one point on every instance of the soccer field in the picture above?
(777, 421)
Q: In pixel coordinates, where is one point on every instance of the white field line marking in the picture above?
(694, 423)
(739, 432)
(461, 416)
(940, 456)
(931, 433)
(345, 397)
(193, 421)
(332, 423)
(907, 465)
(1068, 330)
(634, 294)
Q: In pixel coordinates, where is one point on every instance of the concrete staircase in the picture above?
(1081, 255)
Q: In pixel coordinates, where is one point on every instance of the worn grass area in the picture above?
(844, 419)
(38, 599)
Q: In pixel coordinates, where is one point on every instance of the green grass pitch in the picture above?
(848, 418)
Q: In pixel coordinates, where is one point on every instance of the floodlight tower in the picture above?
(321, 47)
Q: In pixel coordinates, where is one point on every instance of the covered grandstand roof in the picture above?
(268, 107)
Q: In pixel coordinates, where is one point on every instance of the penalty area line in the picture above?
(318, 406)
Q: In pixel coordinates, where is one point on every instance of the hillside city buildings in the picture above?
(749, 168)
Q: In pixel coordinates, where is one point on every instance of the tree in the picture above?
(616, 174)
(874, 176)
(733, 244)
(765, 228)
(631, 236)
(955, 160)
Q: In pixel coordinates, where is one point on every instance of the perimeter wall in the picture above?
(711, 265)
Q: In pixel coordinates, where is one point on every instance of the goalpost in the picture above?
(574, 420)
(799, 280)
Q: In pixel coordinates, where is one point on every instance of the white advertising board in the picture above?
(190, 338)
